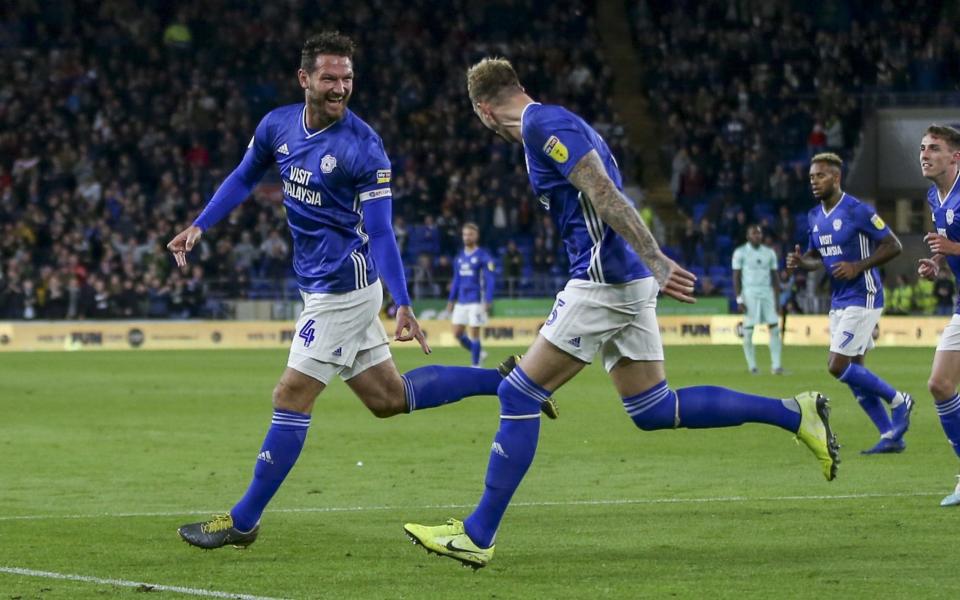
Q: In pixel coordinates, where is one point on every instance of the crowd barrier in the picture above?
(801, 330)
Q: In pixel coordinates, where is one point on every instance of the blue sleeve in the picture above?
(238, 184)
(870, 223)
(377, 215)
(455, 284)
(558, 137)
(489, 278)
(810, 243)
(372, 171)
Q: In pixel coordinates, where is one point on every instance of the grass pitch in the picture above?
(105, 454)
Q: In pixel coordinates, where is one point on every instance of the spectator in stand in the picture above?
(512, 267)
(542, 263)
(708, 244)
(900, 297)
(944, 292)
(689, 243)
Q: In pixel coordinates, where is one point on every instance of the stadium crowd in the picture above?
(136, 116)
(115, 130)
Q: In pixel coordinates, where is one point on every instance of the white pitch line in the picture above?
(613, 502)
(153, 587)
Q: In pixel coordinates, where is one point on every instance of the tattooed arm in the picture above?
(590, 177)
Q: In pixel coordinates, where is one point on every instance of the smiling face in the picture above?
(328, 85)
(937, 158)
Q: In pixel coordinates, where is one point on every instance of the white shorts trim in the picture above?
(339, 334)
(851, 329)
(616, 320)
(473, 314)
(950, 338)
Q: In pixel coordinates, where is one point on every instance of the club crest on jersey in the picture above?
(949, 216)
(555, 149)
(328, 163)
(877, 222)
(837, 224)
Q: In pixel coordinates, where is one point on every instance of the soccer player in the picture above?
(940, 163)
(757, 285)
(607, 307)
(336, 191)
(851, 240)
(471, 293)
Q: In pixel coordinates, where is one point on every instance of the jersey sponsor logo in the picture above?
(383, 175)
(837, 224)
(555, 149)
(491, 266)
(295, 187)
(283, 150)
(328, 163)
(950, 216)
(877, 222)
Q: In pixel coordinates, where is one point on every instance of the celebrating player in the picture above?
(851, 240)
(608, 306)
(940, 163)
(471, 293)
(757, 285)
(336, 191)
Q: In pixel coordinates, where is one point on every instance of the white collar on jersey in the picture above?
(839, 202)
(952, 187)
(303, 123)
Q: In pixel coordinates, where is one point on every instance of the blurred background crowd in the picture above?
(115, 130)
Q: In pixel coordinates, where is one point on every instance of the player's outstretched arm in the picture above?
(377, 221)
(590, 177)
(234, 190)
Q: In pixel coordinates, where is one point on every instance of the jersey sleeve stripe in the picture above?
(374, 194)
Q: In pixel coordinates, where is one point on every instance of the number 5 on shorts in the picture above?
(553, 313)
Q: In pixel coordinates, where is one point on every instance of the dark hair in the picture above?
(327, 42)
(948, 134)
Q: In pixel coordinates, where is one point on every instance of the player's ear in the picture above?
(304, 78)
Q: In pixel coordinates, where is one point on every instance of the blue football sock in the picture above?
(874, 408)
(861, 377)
(277, 456)
(465, 341)
(511, 454)
(949, 413)
(708, 406)
(435, 385)
(475, 350)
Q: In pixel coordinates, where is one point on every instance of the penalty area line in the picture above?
(147, 587)
(529, 504)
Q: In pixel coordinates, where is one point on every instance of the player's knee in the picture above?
(941, 389)
(837, 367)
(287, 396)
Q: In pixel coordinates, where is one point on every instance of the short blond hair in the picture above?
(829, 158)
(490, 79)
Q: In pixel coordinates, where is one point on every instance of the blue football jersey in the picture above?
(327, 175)
(473, 277)
(848, 233)
(554, 140)
(945, 219)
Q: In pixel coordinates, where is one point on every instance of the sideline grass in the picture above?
(173, 432)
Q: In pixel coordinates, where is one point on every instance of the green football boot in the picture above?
(450, 540)
(815, 431)
(217, 532)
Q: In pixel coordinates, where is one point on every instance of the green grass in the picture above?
(606, 510)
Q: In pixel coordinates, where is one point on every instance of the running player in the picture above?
(471, 293)
(607, 307)
(336, 192)
(851, 240)
(940, 163)
(757, 285)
